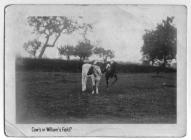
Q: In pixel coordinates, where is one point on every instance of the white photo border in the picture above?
(129, 130)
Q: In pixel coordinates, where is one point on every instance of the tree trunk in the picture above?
(83, 58)
(42, 51)
(80, 58)
(152, 62)
(164, 64)
(43, 48)
(105, 59)
(68, 57)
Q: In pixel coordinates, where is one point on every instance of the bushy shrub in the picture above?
(58, 65)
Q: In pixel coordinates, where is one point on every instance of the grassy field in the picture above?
(55, 97)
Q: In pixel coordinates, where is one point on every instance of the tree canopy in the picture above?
(102, 53)
(67, 50)
(32, 46)
(50, 29)
(83, 50)
(160, 43)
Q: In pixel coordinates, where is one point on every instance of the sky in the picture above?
(116, 27)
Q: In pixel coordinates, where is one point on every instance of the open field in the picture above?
(55, 97)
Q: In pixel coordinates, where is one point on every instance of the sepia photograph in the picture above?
(94, 64)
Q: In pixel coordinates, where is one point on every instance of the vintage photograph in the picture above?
(95, 64)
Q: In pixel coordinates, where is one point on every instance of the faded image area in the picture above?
(103, 64)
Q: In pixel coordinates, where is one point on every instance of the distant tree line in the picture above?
(50, 28)
(84, 50)
(60, 65)
(160, 43)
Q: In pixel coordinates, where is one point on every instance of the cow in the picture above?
(94, 72)
(110, 72)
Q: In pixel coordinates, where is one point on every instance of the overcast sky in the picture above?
(116, 27)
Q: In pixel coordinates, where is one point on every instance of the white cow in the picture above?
(94, 72)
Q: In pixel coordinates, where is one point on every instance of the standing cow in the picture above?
(110, 72)
(94, 72)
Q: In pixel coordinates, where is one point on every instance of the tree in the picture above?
(86, 28)
(83, 50)
(67, 51)
(50, 29)
(99, 51)
(109, 54)
(32, 46)
(160, 43)
(102, 53)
